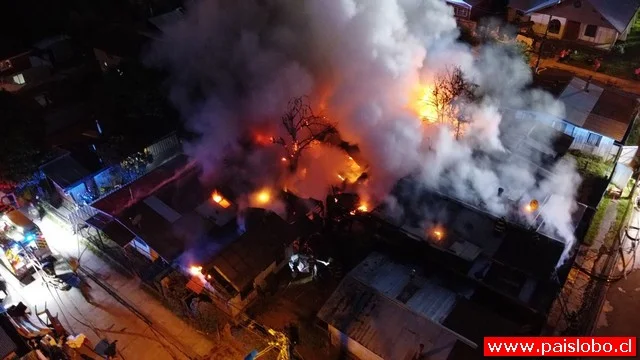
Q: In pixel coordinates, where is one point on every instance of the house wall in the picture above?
(605, 37)
(580, 135)
(541, 21)
(354, 348)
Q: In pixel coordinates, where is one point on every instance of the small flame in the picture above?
(352, 212)
(363, 207)
(195, 270)
(218, 199)
(284, 159)
(437, 233)
(531, 206)
(263, 197)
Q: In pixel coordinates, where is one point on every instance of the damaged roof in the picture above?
(383, 308)
(264, 240)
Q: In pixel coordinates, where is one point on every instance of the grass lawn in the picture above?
(591, 165)
(614, 63)
(612, 234)
(596, 221)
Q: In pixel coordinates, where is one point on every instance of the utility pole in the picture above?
(544, 38)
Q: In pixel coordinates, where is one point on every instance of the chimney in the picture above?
(586, 85)
(500, 191)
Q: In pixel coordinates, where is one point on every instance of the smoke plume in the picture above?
(234, 65)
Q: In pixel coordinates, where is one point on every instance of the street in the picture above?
(168, 337)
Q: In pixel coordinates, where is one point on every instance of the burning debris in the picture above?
(375, 71)
(218, 199)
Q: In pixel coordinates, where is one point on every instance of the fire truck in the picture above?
(22, 245)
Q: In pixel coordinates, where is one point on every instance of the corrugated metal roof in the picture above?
(385, 327)
(578, 102)
(399, 282)
(603, 111)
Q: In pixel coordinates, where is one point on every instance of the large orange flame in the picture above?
(424, 106)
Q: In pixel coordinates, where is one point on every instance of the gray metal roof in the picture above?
(385, 327)
(390, 309)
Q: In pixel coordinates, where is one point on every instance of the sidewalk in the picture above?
(168, 337)
(631, 86)
(576, 309)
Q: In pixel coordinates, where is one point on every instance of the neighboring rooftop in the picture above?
(614, 14)
(118, 201)
(265, 238)
(601, 110)
(67, 170)
(386, 309)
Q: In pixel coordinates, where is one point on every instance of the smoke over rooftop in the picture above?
(235, 65)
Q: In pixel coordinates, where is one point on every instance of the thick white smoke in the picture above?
(234, 65)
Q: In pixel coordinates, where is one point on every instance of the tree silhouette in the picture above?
(303, 128)
(451, 92)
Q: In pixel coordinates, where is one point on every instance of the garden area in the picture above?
(589, 165)
(621, 61)
(621, 204)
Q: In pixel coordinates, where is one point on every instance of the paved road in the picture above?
(168, 338)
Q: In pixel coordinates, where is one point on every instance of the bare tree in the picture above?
(303, 128)
(450, 92)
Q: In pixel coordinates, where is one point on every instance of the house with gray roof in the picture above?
(596, 23)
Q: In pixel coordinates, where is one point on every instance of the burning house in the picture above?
(170, 220)
(460, 271)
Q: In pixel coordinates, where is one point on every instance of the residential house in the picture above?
(385, 310)
(597, 23)
(32, 67)
(446, 280)
(598, 118)
(172, 220)
(81, 176)
(467, 12)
